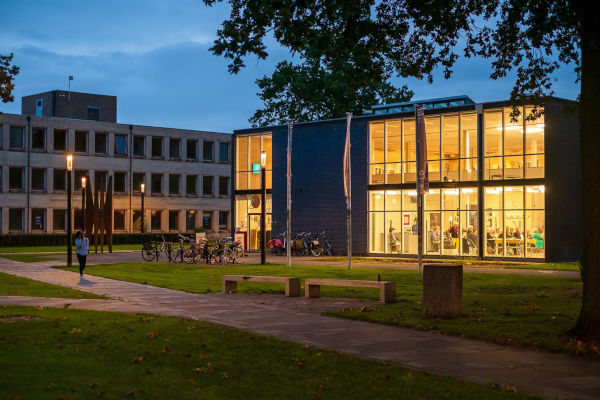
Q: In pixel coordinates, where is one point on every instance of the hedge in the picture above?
(54, 239)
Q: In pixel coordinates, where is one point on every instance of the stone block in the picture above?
(442, 290)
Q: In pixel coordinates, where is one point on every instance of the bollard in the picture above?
(442, 290)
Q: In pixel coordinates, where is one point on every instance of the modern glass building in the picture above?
(500, 187)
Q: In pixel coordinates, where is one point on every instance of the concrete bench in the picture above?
(387, 290)
(292, 285)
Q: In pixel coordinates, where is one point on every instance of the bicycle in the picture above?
(151, 250)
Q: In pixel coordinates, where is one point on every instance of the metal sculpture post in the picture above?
(69, 211)
(263, 199)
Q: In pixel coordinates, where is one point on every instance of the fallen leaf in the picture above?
(152, 334)
(61, 345)
(164, 350)
(137, 359)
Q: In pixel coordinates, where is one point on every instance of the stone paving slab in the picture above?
(300, 320)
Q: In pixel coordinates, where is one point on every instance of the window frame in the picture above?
(115, 147)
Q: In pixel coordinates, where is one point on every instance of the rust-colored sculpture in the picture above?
(98, 216)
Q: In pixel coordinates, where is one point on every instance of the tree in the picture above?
(309, 92)
(413, 37)
(8, 72)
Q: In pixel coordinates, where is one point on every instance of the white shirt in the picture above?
(82, 245)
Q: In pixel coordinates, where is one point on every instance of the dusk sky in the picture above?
(153, 55)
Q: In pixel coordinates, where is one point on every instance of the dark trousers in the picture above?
(81, 263)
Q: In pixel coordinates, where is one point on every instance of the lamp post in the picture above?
(69, 211)
(142, 189)
(263, 199)
(83, 181)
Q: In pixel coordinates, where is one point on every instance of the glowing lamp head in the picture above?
(142, 187)
(263, 159)
(83, 182)
(69, 162)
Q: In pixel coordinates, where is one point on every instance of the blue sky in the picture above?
(153, 55)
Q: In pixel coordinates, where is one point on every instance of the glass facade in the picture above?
(248, 149)
(513, 216)
(247, 219)
(451, 149)
(513, 146)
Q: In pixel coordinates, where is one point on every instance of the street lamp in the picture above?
(263, 199)
(69, 211)
(143, 190)
(83, 180)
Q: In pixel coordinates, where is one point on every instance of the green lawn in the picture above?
(33, 257)
(11, 285)
(75, 354)
(532, 311)
(468, 262)
(61, 249)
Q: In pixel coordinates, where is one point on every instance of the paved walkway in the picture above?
(300, 320)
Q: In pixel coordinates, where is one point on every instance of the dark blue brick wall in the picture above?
(317, 182)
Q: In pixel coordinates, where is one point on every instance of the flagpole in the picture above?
(288, 248)
(422, 176)
(348, 187)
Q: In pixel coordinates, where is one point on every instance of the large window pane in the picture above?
(16, 137)
(513, 167)
(434, 170)
(493, 198)
(100, 140)
(469, 223)
(432, 200)
(377, 143)
(450, 170)
(534, 197)
(493, 168)
(393, 222)
(450, 199)
(534, 166)
(513, 133)
(514, 231)
(377, 240)
(241, 153)
(393, 173)
(60, 140)
(451, 232)
(468, 135)
(393, 141)
(468, 169)
(535, 234)
(409, 231)
(267, 146)
(432, 131)
(376, 174)
(119, 220)
(409, 171)
(409, 150)
(409, 200)
(431, 229)
(121, 145)
(492, 140)
(393, 200)
(377, 200)
(450, 137)
(513, 198)
(38, 139)
(534, 134)
(468, 199)
(139, 146)
(494, 225)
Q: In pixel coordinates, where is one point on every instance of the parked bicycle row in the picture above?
(303, 244)
(221, 251)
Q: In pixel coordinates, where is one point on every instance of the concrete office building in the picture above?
(186, 172)
(498, 188)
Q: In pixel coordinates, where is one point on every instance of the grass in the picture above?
(470, 262)
(64, 353)
(29, 258)
(532, 311)
(11, 285)
(62, 249)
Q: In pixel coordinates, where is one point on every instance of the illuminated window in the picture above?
(248, 150)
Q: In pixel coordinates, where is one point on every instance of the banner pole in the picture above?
(288, 248)
(347, 169)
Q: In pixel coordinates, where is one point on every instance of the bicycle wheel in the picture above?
(148, 253)
(189, 255)
(316, 251)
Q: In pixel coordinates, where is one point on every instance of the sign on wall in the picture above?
(256, 168)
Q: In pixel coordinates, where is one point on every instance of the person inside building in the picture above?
(539, 239)
(491, 241)
(394, 242)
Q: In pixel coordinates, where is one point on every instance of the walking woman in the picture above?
(82, 244)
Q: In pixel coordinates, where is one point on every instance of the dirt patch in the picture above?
(20, 318)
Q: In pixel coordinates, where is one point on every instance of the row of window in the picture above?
(514, 221)
(59, 220)
(120, 148)
(512, 148)
(39, 182)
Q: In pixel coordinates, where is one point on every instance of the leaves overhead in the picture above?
(310, 92)
(8, 72)
(412, 37)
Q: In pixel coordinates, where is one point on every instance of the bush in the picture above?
(60, 239)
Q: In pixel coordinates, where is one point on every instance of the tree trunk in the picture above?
(588, 325)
